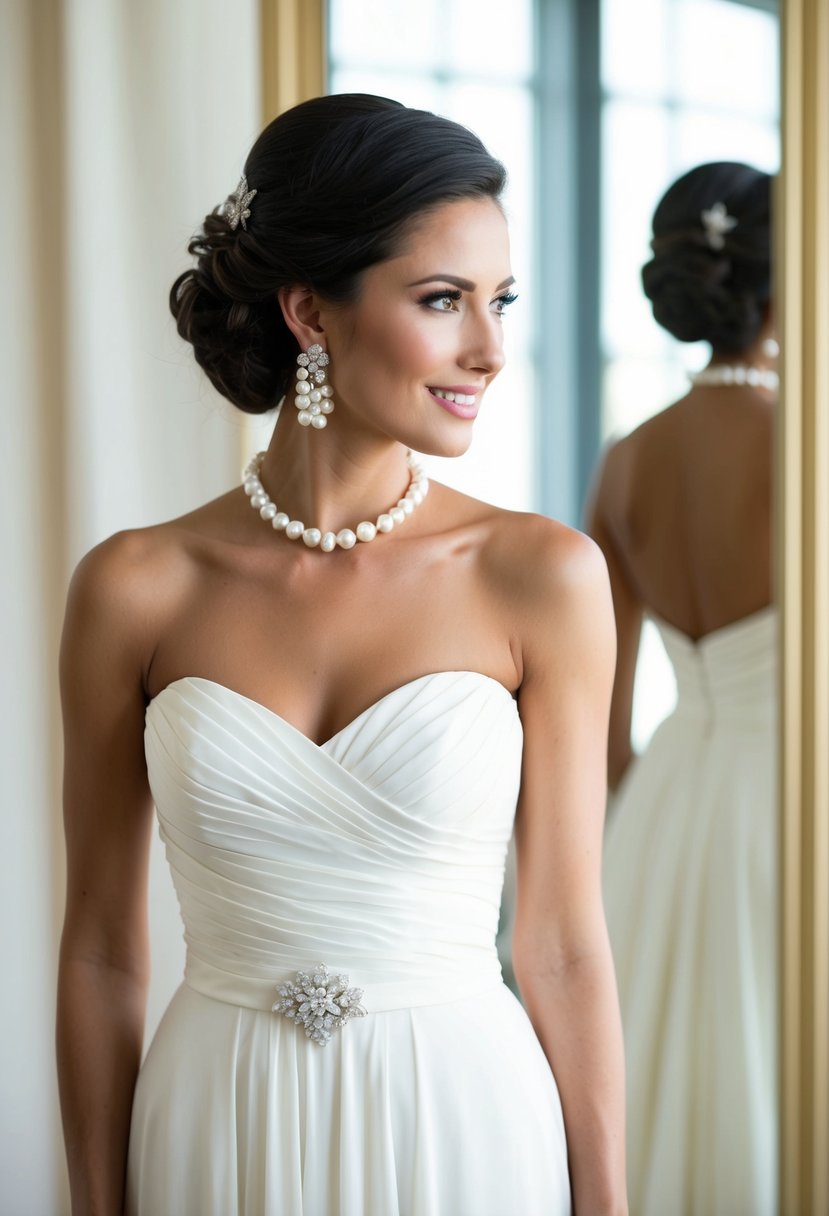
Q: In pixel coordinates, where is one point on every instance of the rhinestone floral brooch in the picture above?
(239, 209)
(717, 224)
(320, 1002)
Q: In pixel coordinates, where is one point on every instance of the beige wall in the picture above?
(121, 125)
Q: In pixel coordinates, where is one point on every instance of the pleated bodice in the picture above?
(729, 675)
(380, 853)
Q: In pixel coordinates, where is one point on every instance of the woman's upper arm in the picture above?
(569, 657)
(107, 802)
(627, 608)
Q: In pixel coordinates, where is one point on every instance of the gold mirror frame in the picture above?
(803, 566)
(293, 68)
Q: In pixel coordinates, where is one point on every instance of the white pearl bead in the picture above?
(327, 406)
(366, 531)
(302, 388)
(753, 376)
(318, 422)
(397, 515)
(312, 537)
(295, 529)
(316, 395)
(304, 418)
(252, 486)
(280, 521)
(327, 390)
(328, 542)
(415, 496)
(268, 511)
(385, 523)
(406, 506)
(346, 539)
(302, 373)
(258, 500)
(314, 410)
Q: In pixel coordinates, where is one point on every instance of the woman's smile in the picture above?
(461, 401)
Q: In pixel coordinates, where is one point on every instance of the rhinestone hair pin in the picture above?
(717, 222)
(239, 209)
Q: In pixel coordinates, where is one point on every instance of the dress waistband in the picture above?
(262, 994)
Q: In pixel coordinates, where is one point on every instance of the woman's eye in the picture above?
(502, 303)
(442, 301)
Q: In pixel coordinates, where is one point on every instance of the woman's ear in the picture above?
(301, 310)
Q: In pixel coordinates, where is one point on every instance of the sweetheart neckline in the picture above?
(271, 713)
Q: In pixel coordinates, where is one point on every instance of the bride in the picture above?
(337, 683)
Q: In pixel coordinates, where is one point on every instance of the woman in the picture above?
(335, 723)
(682, 510)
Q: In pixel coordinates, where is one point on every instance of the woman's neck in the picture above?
(332, 481)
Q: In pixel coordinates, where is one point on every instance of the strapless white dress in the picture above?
(381, 855)
(691, 901)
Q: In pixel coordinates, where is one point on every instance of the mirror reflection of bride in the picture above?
(682, 510)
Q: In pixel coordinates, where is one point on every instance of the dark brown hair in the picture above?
(700, 293)
(338, 180)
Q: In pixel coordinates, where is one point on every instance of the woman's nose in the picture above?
(484, 349)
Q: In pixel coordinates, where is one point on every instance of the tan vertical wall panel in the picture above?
(293, 53)
(803, 287)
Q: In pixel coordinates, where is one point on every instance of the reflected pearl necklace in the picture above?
(314, 538)
(725, 373)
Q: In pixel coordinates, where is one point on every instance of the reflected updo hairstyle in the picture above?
(338, 180)
(700, 292)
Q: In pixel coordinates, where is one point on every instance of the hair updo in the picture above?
(337, 181)
(704, 293)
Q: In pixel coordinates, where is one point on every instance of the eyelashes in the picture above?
(509, 297)
(434, 299)
(437, 297)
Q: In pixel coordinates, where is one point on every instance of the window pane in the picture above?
(386, 33)
(490, 39)
(729, 56)
(632, 184)
(635, 48)
(703, 136)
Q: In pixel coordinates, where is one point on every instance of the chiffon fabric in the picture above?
(691, 901)
(380, 854)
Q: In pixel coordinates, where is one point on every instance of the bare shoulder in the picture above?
(121, 592)
(553, 583)
(540, 564)
(554, 580)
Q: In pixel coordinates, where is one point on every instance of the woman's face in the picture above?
(412, 357)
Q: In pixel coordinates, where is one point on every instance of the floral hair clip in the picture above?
(238, 210)
(717, 222)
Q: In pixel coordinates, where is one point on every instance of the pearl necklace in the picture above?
(756, 377)
(261, 501)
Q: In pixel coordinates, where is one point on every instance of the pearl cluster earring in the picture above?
(313, 395)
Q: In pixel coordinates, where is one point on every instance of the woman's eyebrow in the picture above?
(464, 284)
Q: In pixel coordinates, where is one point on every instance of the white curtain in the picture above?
(120, 125)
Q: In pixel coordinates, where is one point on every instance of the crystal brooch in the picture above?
(239, 210)
(320, 1002)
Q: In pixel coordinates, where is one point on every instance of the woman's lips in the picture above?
(461, 403)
